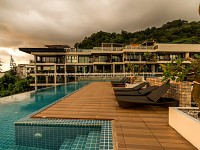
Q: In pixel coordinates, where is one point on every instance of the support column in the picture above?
(46, 79)
(65, 78)
(153, 69)
(94, 68)
(55, 75)
(35, 71)
(124, 68)
(114, 68)
(187, 55)
(140, 57)
(75, 68)
(103, 68)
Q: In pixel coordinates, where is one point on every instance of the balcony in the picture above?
(108, 48)
(141, 47)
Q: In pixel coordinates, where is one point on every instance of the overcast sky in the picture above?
(34, 23)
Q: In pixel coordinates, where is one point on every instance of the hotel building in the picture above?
(57, 64)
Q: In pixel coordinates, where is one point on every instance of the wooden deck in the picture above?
(144, 127)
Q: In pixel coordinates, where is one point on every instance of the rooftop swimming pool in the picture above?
(18, 130)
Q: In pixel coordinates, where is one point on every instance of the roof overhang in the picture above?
(30, 50)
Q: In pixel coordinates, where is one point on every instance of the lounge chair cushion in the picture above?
(148, 89)
(135, 88)
(139, 86)
(159, 92)
(144, 91)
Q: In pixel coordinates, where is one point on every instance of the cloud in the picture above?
(34, 23)
(18, 56)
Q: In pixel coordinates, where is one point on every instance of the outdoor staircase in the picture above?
(82, 142)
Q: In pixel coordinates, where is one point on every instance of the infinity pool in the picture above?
(11, 110)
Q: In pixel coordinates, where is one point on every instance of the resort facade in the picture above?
(57, 64)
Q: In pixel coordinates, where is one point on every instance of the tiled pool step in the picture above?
(79, 142)
(93, 141)
(66, 144)
(82, 142)
(18, 147)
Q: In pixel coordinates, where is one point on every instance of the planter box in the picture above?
(186, 125)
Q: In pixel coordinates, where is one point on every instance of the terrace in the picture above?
(144, 127)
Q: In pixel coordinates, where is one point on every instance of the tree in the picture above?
(177, 31)
(13, 66)
(10, 84)
(0, 65)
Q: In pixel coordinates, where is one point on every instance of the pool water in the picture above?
(12, 111)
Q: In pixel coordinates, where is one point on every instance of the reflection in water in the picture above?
(15, 110)
(45, 97)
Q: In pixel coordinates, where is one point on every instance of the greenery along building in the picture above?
(55, 63)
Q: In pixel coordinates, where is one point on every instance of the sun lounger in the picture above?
(121, 84)
(154, 98)
(144, 91)
(135, 88)
(122, 80)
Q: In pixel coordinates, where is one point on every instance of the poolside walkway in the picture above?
(144, 127)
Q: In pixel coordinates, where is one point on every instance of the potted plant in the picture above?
(185, 120)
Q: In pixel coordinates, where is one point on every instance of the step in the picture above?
(79, 142)
(66, 145)
(93, 140)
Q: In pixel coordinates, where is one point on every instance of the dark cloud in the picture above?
(35, 22)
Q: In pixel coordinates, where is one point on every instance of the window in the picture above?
(71, 59)
(83, 59)
(60, 69)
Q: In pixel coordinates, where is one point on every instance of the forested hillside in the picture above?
(177, 31)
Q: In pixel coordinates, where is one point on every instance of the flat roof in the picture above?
(29, 50)
(57, 46)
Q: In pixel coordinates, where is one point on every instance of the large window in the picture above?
(83, 59)
(41, 79)
(50, 59)
(118, 68)
(102, 58)
(132, 57)
(192, 55)
(84, 69)
(163, 57)
(60, 79)
(117, 58)
(70, 69)
(71, 59)
(176, 56)
(45, 69)
(60, 69)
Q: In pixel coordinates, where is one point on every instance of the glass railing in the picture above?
(108, 48)
(140, 47)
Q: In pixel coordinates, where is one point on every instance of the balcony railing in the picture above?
(108, 48)
(140, 47)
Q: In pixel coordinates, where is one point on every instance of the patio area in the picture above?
(144, 127)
